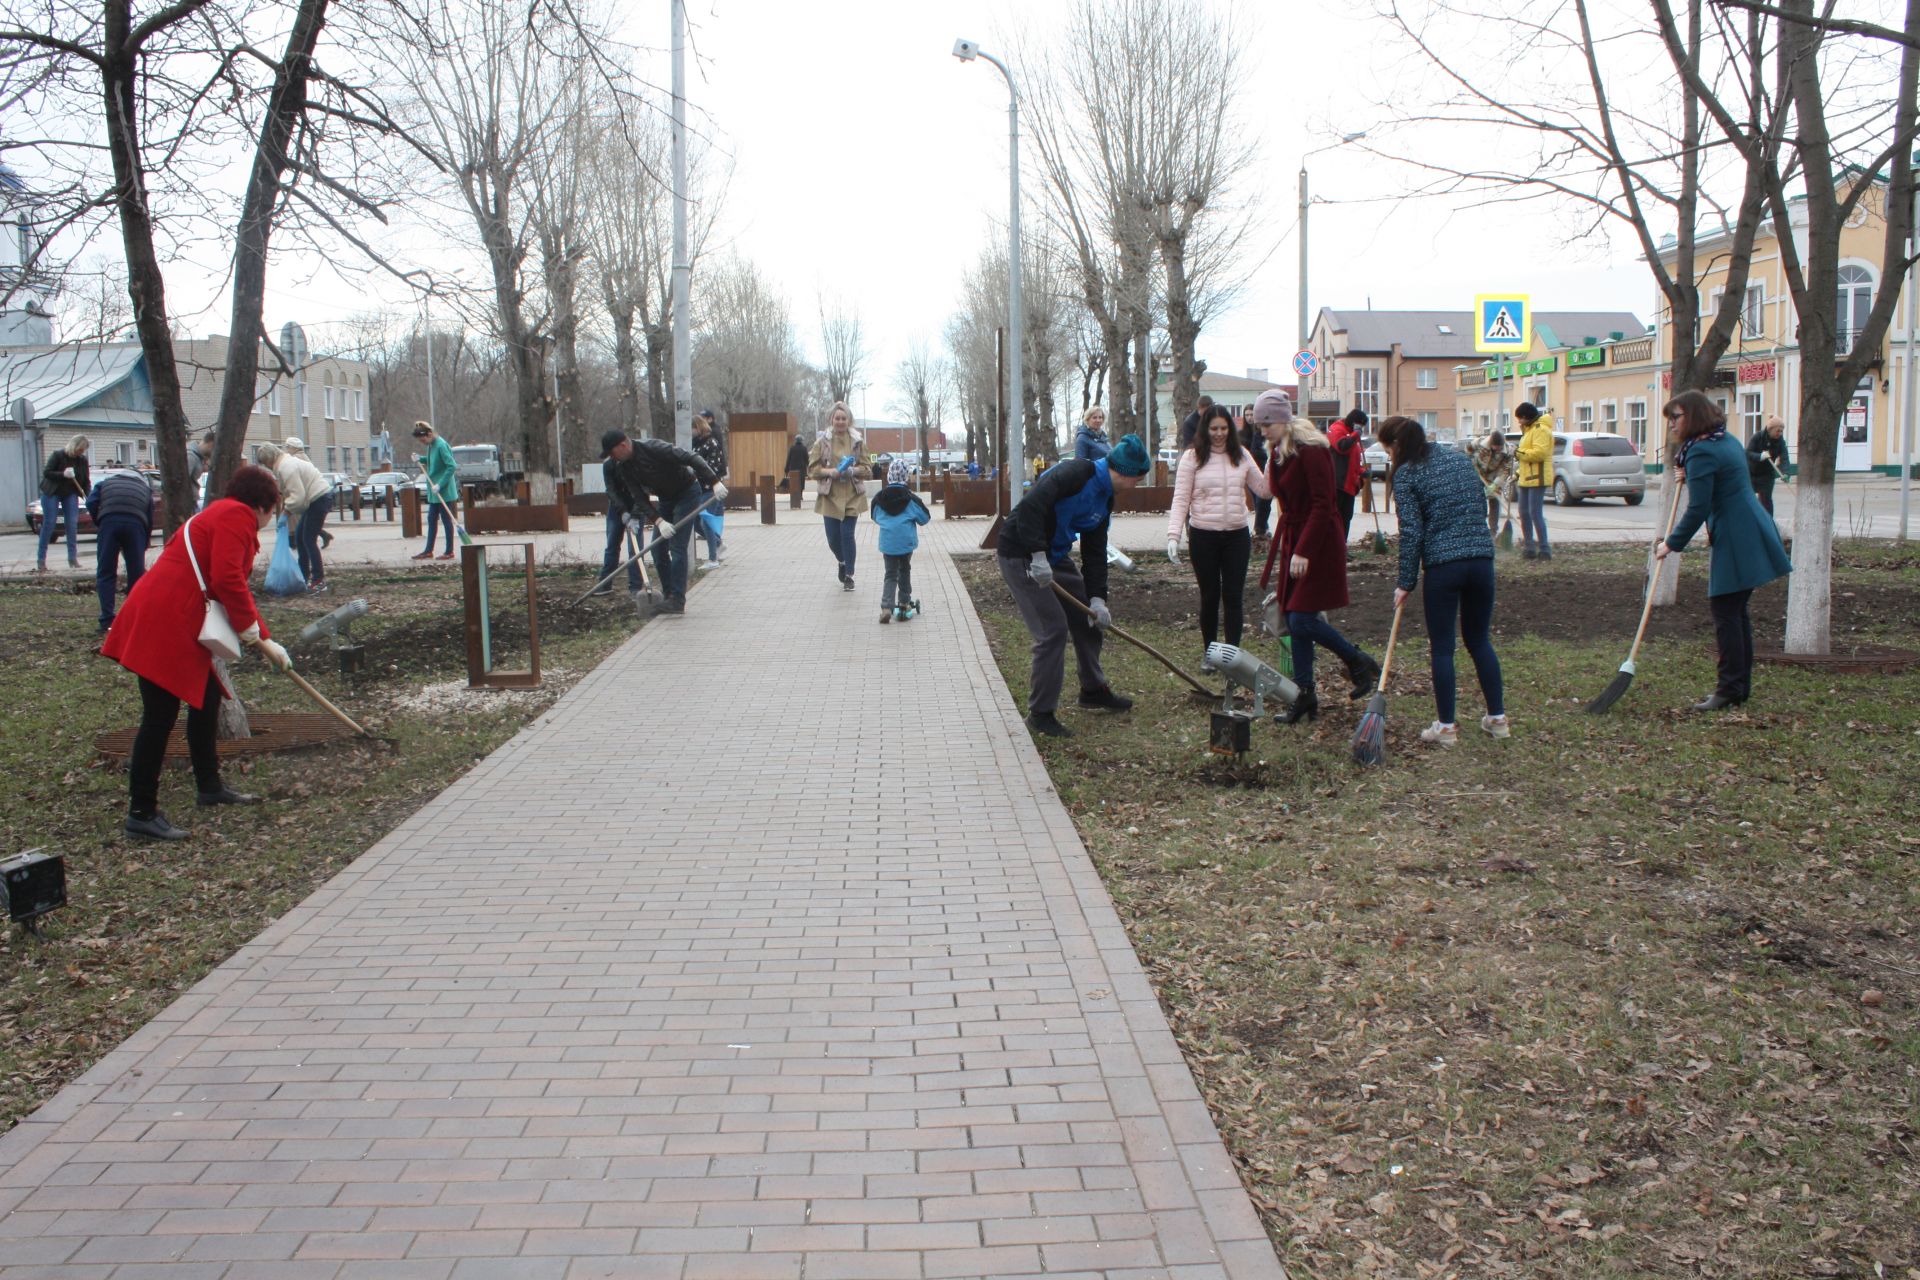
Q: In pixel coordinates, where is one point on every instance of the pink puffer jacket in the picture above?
(1214, 496)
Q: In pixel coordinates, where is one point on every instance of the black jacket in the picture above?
(1035, 519)
(55, 485)
(122, 493)
(1759, 449)
(796, 456)
(655, 470)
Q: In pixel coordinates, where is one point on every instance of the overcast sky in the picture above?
(870, 164)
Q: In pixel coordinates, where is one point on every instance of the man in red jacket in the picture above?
(1348, 436)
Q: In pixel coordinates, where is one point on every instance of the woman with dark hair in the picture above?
(1443, 529)
(157, 637)
(1348, 436)
(1746, 551)
(1311, 549)
(1210, 490)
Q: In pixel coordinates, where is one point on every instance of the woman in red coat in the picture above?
(1311, 548)
(157, 637)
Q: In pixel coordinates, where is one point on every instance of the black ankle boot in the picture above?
(1365, 674)
(1305, 707)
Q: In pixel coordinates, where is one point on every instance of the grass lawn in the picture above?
(1621, 996)
(145, 921)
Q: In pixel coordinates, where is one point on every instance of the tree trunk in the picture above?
(1120, 415)
(558, 266)
(1182, 333)
(659, 354)
(286, 106)
(625, 363)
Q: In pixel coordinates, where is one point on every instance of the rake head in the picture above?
(1370, 737)
(1613, 692)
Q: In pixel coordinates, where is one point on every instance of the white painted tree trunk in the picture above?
(1809, 589)
(540, 488)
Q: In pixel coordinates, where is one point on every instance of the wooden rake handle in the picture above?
(1136, 642)
(1653, 569)
(321, 698)
(1393, 638)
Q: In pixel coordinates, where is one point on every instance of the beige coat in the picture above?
(839, 496)
(301, 484)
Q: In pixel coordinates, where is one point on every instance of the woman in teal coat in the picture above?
(1746, 547)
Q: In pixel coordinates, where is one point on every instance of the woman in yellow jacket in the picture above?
(1535, 456)
(836, 468)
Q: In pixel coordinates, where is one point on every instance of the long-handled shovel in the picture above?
(1370, 736)
(1136, 642)
(321, 698)
(1622, 681)
(620, 568)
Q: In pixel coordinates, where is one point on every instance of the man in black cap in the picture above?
(638, 476)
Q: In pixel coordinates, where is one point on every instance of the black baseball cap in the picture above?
(609, 439)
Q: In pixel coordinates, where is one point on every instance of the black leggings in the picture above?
(1220, 564)
(159, 710)
(1733, 636)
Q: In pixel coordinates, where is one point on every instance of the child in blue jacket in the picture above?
(897, 511)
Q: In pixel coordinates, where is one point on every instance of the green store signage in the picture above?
(1532, 367)
(1586, 356)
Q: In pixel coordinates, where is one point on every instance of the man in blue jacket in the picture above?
(121, 505)
(1073, 499)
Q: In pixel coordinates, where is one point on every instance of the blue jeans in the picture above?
(670, 557)
(840, 538)
(1308, 630)
(306, 540)
(711, 525)
(121, 537)
(1463, 589)
(1533, 517)
(616, 547)
(439, 513)
(67, 508)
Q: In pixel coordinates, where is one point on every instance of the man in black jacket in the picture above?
(121, 505)
(1073, 499)
(638, 476)
(1766, 451)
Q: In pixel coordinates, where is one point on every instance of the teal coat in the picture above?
(1746, 547)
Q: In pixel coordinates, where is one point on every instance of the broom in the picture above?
(1370, 737)
(1624, 679)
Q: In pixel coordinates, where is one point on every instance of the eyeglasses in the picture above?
(1676, 415)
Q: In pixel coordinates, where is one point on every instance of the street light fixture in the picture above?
(1305, 333)
(1014, 462)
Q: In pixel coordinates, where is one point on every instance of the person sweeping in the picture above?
(1071, 499)
(1443, 531)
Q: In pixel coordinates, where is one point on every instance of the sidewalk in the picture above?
(719, 969)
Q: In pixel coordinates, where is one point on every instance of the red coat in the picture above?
(1310, 527)
(157, 632)
(1349, 463)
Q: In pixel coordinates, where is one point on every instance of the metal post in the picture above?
(1303, 262)
(1016, 319)
(1913, 386)
(682, 269)
(431, 416)
(559, 420)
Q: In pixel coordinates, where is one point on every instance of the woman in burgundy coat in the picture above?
(157, 637)
(1311, 549)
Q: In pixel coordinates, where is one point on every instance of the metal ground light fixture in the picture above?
(1014, 464)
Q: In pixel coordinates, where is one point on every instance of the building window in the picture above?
(1856, 300)
(1429, 423)
(1486, 424)
(1753, 316)
(273, 397)
(1366, 391)
(1637, 424)
(1752, 416)
(1610, 417)
(300, 401)
(123, 452)
(1426, 379)
(1583, 417)
(326, 402)
(333, 460)
(363, 460)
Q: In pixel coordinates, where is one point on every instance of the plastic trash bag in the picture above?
(283, 571)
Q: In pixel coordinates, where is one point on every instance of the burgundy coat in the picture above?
(157, 632)
(1310, 527)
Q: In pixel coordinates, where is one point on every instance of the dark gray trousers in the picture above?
(1050, 623)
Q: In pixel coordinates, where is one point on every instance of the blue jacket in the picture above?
(898, 513)
(1070, 499)
(1090, 445)
(1746, 546)
(122, 493)
(1443, 513)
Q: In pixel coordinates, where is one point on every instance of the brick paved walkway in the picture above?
(720, 969)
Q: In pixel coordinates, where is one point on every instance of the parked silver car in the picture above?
(1594, 464)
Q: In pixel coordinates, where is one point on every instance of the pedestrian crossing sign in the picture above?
(1503, 323)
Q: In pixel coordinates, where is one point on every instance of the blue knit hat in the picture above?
(1128, 456)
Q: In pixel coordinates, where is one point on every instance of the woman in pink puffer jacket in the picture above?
(1210, 502)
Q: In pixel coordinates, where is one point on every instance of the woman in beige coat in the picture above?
(835, 466)
(307, 498)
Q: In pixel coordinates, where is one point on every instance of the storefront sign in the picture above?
(1532, 367)
(1586, 356)
(1757, 371)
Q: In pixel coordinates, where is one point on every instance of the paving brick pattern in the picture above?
(767, 952)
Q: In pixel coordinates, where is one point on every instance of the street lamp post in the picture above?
(1305, 201)
(1014, 462)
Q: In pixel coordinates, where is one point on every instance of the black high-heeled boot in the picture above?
(1305, 707)
(1365, 674)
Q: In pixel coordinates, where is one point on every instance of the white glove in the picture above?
(276, 654)
(662, 530)
(251, 635)
(1173, 551)
(1102, 616)
(719, 492)
(1039, 570)
(632, 522)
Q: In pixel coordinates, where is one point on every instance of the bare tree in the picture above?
(842, 348)
(746, 356)
(922, 381)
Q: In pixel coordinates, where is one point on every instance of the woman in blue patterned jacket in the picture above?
(1443, 529)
